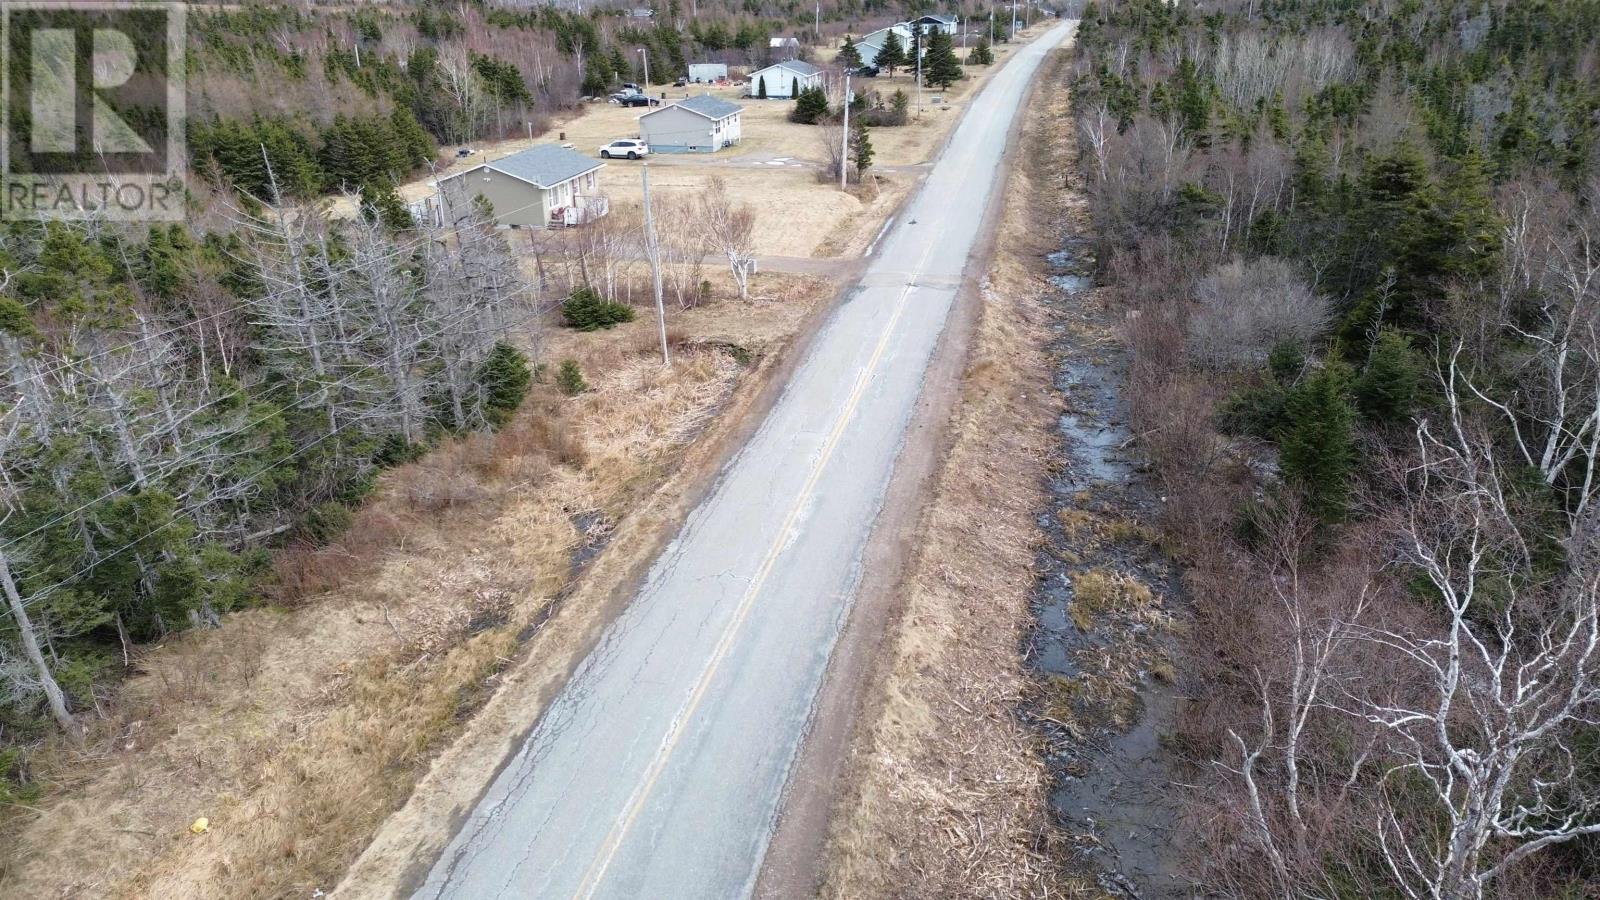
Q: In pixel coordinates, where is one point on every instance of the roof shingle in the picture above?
(546, 165)
(706, 105)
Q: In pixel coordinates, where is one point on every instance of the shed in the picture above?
(790, 45)
(536, 188)
(708, 72)
(703, 124)
(785, 78)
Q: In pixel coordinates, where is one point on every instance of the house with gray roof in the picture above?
(783, 80)
(542, 186)
(701, 124)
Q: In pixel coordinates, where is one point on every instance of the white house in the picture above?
(789, 45)
(705, 73)
(872, 42)
(786, 79)
(703, 124)
(534, 188)
(930, 24)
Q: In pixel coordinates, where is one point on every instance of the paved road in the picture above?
(657, 772)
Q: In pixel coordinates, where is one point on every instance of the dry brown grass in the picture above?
(297, 729)
(947, 796)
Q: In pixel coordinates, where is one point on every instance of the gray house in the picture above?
(703, 124)
(540, 187)
(784, 79)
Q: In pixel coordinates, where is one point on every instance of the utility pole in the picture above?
(919, 36)
(962, 25)
(818, 28)
(530, 131)
(1013, 20)
(654, 247)
(644, 52)
(844, 141)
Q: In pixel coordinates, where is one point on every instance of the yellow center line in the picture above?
(608, 850)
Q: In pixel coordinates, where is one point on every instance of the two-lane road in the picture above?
(658, 771)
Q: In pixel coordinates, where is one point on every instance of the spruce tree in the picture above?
(849, 57)
(761, 88)
(860, 148)
(1317, 447)
(941, 66)
(981, 54)
(892, 55)
(503, 378)
(1387, 389)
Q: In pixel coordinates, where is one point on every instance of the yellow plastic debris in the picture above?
(200, 826)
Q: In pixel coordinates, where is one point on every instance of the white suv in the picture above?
(629, 149)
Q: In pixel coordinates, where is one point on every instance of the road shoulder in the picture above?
(917, 779)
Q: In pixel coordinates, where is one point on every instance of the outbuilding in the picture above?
(705, 73)
(784, 80)
(534, 188)
(703, 124)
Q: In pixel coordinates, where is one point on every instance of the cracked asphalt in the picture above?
(659, 770)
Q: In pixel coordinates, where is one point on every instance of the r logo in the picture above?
(91, 109)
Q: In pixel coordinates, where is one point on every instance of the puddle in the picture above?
(1113, 787)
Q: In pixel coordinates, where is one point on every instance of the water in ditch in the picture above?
(1104, 710)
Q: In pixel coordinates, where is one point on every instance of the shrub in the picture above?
(586, 310)
(1248, 308)
(570, 378)
(811, 107)
(325, 522)
(503, 381)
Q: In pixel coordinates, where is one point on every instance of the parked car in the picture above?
(464, 152)
(629, 149)
(865, 71)
(639, 100)
(681, 82)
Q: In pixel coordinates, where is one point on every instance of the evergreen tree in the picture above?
(892, 55)
(503, 379)
(981, 54)
(761, 88)
(794, 88)
(849, 57)
(1387, 388)
(811, 107)
(860, 148)
(1317, 447)
(941, 66)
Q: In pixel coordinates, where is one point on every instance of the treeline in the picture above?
(1360, 251)
(176, 404)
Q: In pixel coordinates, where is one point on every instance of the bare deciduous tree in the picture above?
(730, 227)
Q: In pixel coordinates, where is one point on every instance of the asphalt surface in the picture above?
(659, 770)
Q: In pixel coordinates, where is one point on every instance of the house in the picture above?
(787, 45)
(785, 79)
(641, 12)
(930, 24)
(872, 42)
(535, 188)
(705, 73)
(703, 124)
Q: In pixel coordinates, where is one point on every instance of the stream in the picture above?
(1105, 711)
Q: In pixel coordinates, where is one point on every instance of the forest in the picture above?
(178, 404)
(1355, 244)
